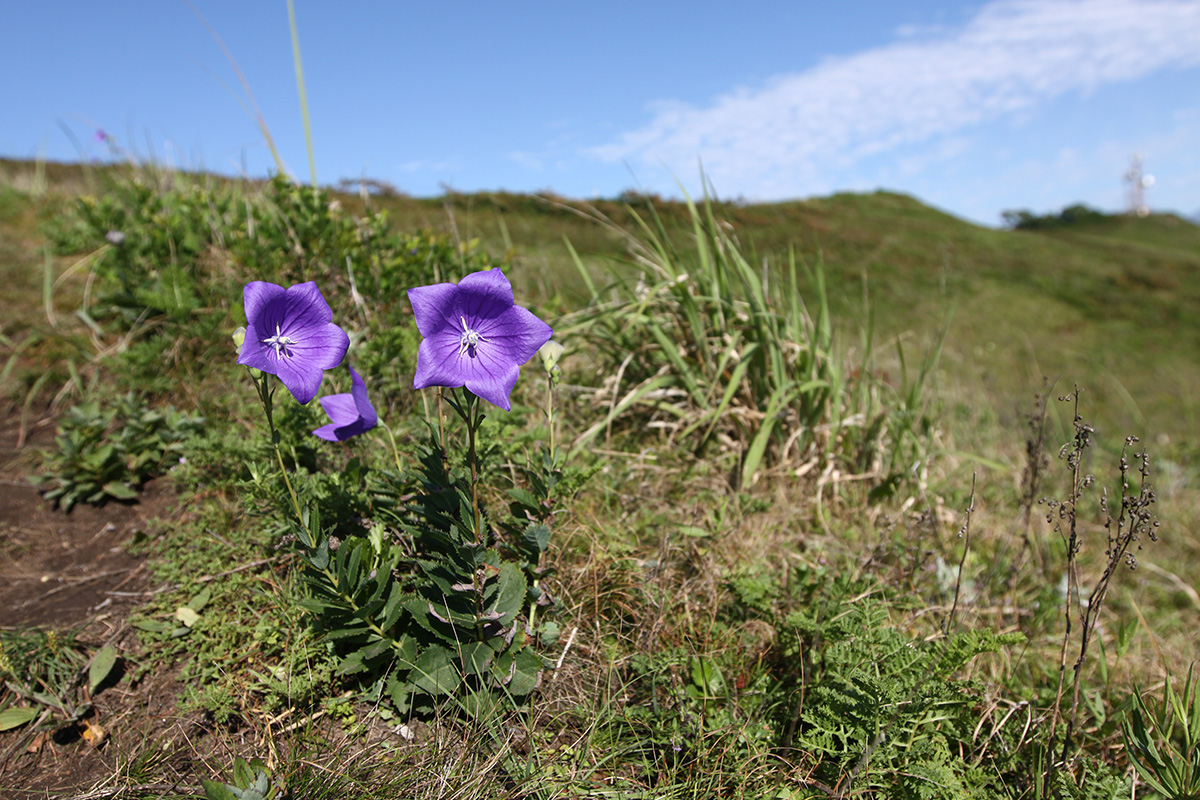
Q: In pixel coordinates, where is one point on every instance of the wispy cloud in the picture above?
(789, 135)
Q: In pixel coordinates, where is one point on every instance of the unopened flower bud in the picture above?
(550, 353)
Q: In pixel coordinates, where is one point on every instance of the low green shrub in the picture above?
(108, 453)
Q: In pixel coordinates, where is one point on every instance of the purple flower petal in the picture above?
(289, 334)
(431, 305)
(358, 390)
(350, 414)
(474, 336)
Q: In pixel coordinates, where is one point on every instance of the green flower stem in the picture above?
(392, 437)
(265, 393)
(474, 420)
(550, 414)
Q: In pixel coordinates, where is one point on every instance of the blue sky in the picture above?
(974, 107)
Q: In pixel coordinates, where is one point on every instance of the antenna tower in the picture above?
(1138, 182)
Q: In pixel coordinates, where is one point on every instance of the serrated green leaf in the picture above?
(524, 497)
(509, 595)
(536, 538)
(16, 717)
(393, 608)
(101, 666)
(434, 671)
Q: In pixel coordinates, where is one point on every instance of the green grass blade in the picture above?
(758, 446)
(312, 163)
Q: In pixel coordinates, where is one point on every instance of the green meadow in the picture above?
(842, 497)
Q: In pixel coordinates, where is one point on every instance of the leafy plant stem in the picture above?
(266, 393)
(473, 420)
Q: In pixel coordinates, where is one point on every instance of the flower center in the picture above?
(469, 340)
(281, 344)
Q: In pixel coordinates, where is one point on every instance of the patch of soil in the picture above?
(72, 571)
(59, 569)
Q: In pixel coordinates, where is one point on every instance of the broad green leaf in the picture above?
(509, 595)
(434, 672)
(101, 666)
(524, 497)
(120, 491)
(218, 791)
(476, 657)
(16, 717)
(526, 667)
(536, 538)
(706, 676)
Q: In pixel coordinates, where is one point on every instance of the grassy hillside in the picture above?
(774, 530)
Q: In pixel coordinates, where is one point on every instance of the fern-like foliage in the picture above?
(883, 710)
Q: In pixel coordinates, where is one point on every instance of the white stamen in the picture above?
(469, 340)
(281, 343)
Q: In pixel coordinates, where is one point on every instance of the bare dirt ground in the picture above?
(72, 572)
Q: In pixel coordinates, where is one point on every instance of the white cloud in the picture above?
(792, 134)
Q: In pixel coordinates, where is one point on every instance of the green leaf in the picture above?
(536, 538)
(198, 602)
(758, 446)
(101, 666)
(509, 595)
(548, 633)
(476, 657)
(706, 676)
(524, 497)
(153, 626)
(243, 775)
(434, 672)
(218, 791)
(16, 717)
(120, 491)
(393, 608)
(526, 667)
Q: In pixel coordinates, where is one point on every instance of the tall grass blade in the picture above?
(312, 163)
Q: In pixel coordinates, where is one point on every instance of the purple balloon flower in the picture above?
(351, 414)
(474, 335)
(289, 333)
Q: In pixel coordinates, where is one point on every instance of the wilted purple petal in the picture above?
(350, 414)
(474, 335)
(289, 334)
